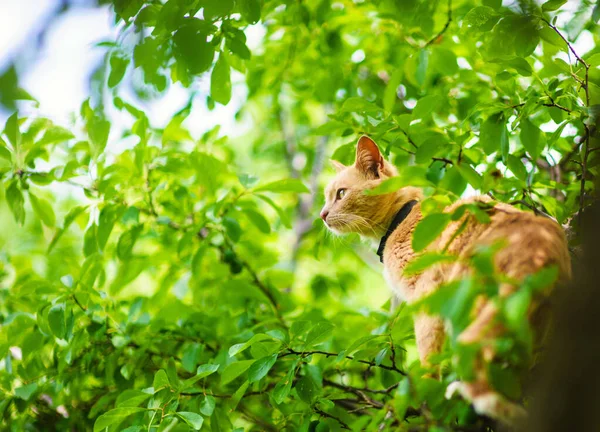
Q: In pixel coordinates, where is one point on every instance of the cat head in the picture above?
(347, 207)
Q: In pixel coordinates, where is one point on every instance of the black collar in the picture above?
(398, 219)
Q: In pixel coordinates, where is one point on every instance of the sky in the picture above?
(58, 74)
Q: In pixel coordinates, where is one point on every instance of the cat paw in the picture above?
(456, 387)
(487, 402)
(496, 406)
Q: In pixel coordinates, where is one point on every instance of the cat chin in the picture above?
(336, 231)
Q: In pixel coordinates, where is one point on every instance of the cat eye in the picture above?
(340, 194)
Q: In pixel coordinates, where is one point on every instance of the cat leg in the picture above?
(488, 402)
(430, 335)
(483, 328)
(483, 397)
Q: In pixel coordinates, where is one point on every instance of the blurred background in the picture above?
(464, 96)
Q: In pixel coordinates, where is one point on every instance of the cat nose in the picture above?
(324, 214)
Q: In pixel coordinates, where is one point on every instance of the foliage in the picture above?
(154, 280)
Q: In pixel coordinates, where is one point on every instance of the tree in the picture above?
(156, 280)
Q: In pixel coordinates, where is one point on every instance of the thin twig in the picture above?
(392, 351)
(324, 414)
(567, 42)
(586, 142)
(256, 280)
(409, 140)
(78, 303)
(358, 392)
(448, 21)
(330, 354)
(441, 159)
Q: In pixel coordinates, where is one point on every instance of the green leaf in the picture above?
(319, 333)
(202, 372)
(127, 242)
(307, 389)
(426, 106)
(250, 10)
(261, 367)
(550, 36)
(131, 398)
(193, 49)
(444, 61)
(258, 220)
(429, 229)
(239, 394)
(118, 67)
(192, 419)
(330, 128)
(285, 220)
(470, 175)
(425, 261)
(409, 176)
(531, 138)
(56, 134)
(430, 148)
(232, 226)
(521, 66)
(12, 131)
(557, 133)
(236, 42)
(43, 210)
(527, 36)
(220, 81)
(207, 406)
(26, 391)
(491, 133)
(217, 8)
(380, 357)
(206, 370)
(16, 202)
(552, 5)
(479, 19)
(281, 186)
(284, 386)
(516, 308)
(5, 152)
(234, 370)
(115, 417)
(57, 320)
(505, 380)
(422, 64)
(238, 348)
(358, 104)
(160, 380)
(390, 96)
(106, 222)
(248, 180)
(517, 167)
(98, 130)
(191, 356)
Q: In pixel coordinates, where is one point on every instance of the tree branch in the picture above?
(355, 391)
(448, 21)
(330, 354)
(586, 142)
(324, 414)
(579, 59)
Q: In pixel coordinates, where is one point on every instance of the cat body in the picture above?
(530, 243)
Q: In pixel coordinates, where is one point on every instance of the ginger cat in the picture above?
(532, 243)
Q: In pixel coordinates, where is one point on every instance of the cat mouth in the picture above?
(335, 227)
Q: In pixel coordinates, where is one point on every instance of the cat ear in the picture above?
(368, 157)
(337, 165)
